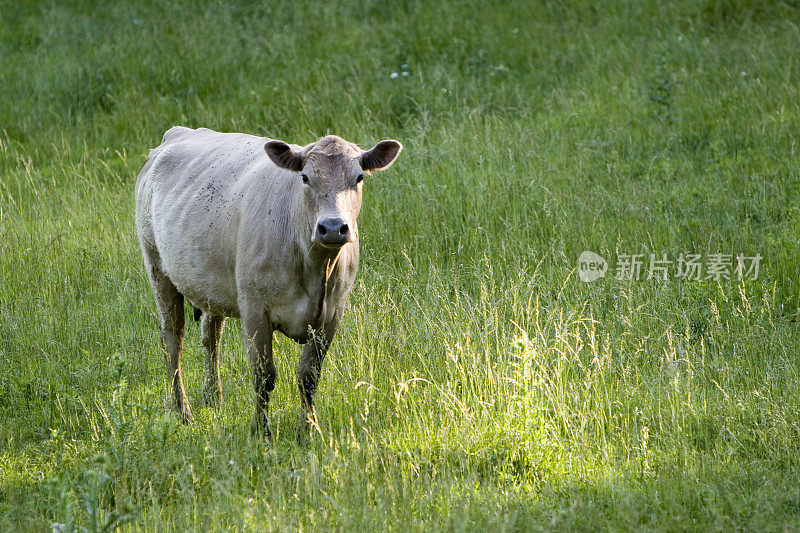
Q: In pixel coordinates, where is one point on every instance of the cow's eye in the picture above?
(360, 178)
(304, 177)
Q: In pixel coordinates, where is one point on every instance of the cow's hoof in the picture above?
(302, 433)
(260, 429)
(212, 397)
(302, 436)
(184, 414)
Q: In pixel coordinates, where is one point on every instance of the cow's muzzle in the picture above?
(331, 232)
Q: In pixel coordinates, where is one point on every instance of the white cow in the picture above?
(254, 228)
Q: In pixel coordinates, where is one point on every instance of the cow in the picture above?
(258, 229)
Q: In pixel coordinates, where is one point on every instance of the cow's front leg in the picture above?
(257, 339)
(308, 372)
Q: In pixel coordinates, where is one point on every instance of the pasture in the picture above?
(476, 382)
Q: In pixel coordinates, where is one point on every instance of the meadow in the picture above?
(476, 383)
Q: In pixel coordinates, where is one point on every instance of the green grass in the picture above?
(475, 383)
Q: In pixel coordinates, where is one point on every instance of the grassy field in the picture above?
(476, 383)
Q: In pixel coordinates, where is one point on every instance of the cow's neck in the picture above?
(321, 262)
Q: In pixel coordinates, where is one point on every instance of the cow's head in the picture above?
(331, 172)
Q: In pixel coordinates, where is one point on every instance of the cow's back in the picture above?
(190, 198)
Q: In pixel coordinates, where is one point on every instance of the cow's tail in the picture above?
(197, 313)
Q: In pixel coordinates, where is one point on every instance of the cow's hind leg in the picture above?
(211, 331)
(171, 321)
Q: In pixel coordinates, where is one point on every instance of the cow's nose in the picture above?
(332, 231)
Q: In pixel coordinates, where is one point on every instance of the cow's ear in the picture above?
(381, 156)
(284, 155)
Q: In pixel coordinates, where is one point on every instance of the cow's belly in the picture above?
(213, 292)
(210, 301)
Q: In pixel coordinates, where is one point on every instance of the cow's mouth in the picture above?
(329, 245)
